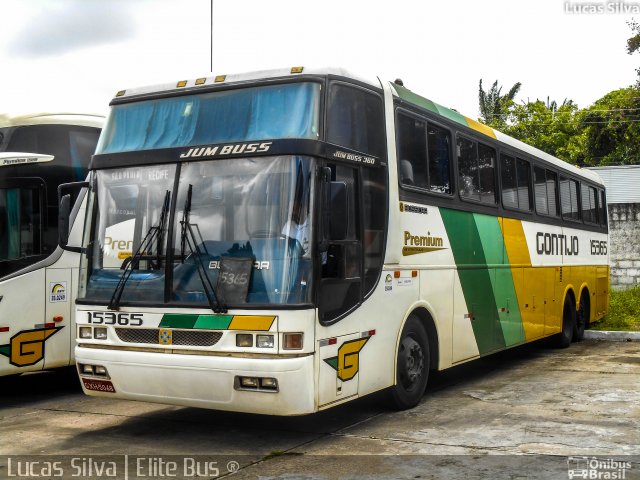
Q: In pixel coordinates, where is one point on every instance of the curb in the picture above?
(612, 336)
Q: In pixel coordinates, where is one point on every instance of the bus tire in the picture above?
(582, 317)
(563, 339)
(412, 365)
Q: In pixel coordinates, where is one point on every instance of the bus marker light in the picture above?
(220, 78)
(4, 329)
(58, 318)
(85, 332)
(181, 83)
(293, 341)
(200, 81)
(121, 93)
(244, 340)
(370, 333)
(414, 273)
(264, 341)
(100, 333)
(396, 274)
(297, 69)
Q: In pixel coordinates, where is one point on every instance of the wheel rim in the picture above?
(412, 360)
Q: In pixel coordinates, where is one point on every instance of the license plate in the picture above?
(98, 385)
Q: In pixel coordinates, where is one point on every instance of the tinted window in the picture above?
(589, 205)
(603, 209)
(20, 228)
(569, 199)
(355, 119)
(374, 182)
(545, 192)
(439, 143)
(486, 168)
(412, 151)
(515, 182)
(468, 169)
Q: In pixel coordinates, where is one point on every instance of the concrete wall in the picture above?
(624, 232)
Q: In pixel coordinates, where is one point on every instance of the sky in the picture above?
(74, 55)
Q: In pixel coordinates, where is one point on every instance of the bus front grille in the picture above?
(191, 338)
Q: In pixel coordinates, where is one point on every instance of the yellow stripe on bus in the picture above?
(480, 127)
(260, 323)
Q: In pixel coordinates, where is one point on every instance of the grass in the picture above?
(624, 312)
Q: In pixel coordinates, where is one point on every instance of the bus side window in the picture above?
(589, 207)
(603, 209)
(569, 199)
(476, 163)
(412, 151)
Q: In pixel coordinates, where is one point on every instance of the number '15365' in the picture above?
(113, 318)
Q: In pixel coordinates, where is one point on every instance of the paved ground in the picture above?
(518, 414)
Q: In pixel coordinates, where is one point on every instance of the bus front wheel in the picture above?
(412, 365)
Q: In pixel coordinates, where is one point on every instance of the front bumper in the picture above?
(205, 381)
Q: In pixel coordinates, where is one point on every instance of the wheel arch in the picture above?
(425, 315)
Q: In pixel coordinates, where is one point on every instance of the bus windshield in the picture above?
(246, 114)
(250, 208)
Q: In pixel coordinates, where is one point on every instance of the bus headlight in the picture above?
(85, 332)
(264, 341)
(100, 333)
(244, 340)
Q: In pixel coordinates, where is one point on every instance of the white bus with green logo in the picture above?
(282, 242)
(38, 152)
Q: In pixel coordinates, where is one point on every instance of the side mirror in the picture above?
(64, 213)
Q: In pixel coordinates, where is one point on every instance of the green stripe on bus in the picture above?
(452, 115)
(213, 322)
(504, 291)
(411, 97)
(475, 278)
(177, 320)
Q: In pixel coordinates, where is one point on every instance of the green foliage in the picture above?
(624, 312)
(549, 127)
(633, 43)
(612, 129)
(495, 107)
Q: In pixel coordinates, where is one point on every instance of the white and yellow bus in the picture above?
(282, 242)
(38, 280)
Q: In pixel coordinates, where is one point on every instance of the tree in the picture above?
(611, 128)
(553, 128)
(633, 43)
(495, 107)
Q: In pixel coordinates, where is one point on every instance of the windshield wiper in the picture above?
(188, 239)
(154, 232)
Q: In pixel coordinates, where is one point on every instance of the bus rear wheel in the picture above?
(412, 365)
(582, 317)
(563, 339)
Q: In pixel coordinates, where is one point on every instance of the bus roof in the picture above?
(374, 81)
(236, 78)
(82, 119)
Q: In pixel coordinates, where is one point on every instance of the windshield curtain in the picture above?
(252, 208)
(256, 113)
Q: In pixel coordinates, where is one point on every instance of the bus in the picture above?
(38, 152)
(282, 242)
